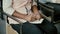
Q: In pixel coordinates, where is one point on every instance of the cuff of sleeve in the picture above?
(37, 21)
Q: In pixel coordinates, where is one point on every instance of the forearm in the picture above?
(35, 9)
(19, 15)
(22, 16)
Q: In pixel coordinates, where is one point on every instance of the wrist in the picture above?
(23, 16)
(35, 12)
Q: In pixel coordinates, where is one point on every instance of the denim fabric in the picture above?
(27, 28)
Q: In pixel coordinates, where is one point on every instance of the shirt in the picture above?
(10, 6)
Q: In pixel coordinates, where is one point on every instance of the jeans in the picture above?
(47, 27)
(27, 28)
(44, 28)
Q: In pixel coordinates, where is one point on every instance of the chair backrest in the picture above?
(46, 9)
(1, 11)
(56, 10)
(52, 6)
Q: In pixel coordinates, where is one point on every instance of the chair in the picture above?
(50, 9)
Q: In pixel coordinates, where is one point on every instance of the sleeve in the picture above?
(34, 2)
(37, 21)
(7, 7)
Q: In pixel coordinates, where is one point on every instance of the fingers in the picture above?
(32, 17)
(38, 17)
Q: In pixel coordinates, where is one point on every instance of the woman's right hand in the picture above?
(30, 17)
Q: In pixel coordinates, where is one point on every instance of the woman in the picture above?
(21, 10)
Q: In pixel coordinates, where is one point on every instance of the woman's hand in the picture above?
(30, 17)
(36, 12)
(37, 16)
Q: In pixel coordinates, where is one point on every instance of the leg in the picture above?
(27, 29)
(48, 27)
(31, 29)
